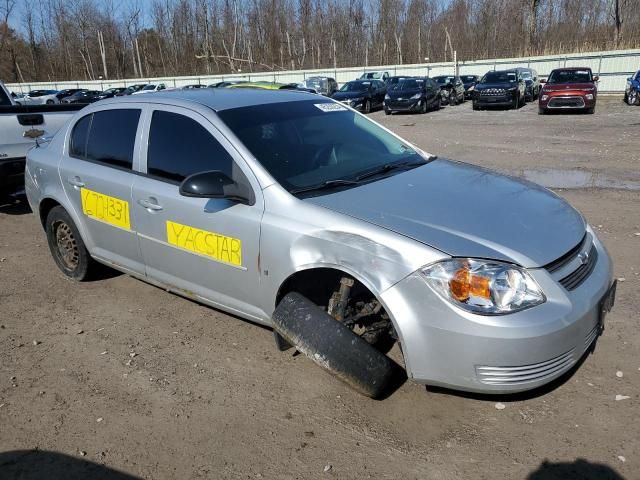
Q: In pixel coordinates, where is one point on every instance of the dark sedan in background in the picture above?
(62, 94)
(504, 88)
(84, 96)
(531, 83)
(417, 94)
(363, 95)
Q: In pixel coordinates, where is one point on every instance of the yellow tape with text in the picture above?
(105, 208)
(214, 245)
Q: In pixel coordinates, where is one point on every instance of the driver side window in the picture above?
(179, 146)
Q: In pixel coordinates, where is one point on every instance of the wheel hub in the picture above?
(67, 245)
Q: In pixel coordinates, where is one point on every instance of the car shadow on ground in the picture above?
(579, 469)
(520, 396)
(14, 204)
(45, 465)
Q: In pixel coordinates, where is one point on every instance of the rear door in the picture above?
(96, 172)
(203, 247)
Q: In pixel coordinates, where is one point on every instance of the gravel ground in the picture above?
(118, 379)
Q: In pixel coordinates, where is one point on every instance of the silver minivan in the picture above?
(294, 211)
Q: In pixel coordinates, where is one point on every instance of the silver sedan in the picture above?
(297, 212)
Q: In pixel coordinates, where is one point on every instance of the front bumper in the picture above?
(407, 105)
(569, 101)
(505, 100)
(12, 173)
(446, 346)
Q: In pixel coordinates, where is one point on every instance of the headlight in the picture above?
(471, 88)
(355, 101)
(387, 97)
(544, 98)
(416, 97)
(589, 96)
(483, 286)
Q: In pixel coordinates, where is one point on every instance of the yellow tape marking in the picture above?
(105, 208)
(211, 244)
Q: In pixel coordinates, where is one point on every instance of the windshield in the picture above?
(317, 82)
(371, 75)
(409, 84)
(310, 142)
(570, 76)
(443, 80)
(499, 77)
(526, 75)
(469, 78)
(149, 87)
(396, 80)
(355, 87)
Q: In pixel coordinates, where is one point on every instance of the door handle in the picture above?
(150, 204)
(76, 182)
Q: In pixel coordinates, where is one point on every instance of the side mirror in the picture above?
(215, 184)
(596, 78)
(542, 80)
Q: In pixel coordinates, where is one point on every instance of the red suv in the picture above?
(569, 89)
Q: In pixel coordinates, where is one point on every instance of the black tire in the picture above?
(333, 346)
(633, 98)
(423, 105)
(516, 103)
(542, 111)
(66, 245)
(453, 99)
(590, 111)
(475, 106)
(439, 103)
(367, 106)
(387, 111)
(50, 102)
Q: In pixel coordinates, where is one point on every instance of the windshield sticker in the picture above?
(209, 244)
(104, 208)
(330, 107)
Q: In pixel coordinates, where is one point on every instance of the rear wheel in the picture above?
(633, 98)
(67, 248)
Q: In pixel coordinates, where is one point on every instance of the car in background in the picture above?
(62, 94)
(414, 94)
(150, 88)
(111, 92)
(377, 75)
(326, 86)
(396, 79)
(502, 88)
(569, 89)
(192, 86)
(84, 96)
(39, 97)
(632, 90)
(363, 95)
(531, 83)
(226, 83)
(263, 85)
(131, 89)
(451, 88)
(469, 82)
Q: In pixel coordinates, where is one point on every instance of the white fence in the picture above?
(613, 67)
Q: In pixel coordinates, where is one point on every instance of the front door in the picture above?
(205, 248)
(96, 171)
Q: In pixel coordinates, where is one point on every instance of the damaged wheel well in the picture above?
(318, 284)
(45, 207)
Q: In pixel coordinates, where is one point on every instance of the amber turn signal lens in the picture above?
(465, 284)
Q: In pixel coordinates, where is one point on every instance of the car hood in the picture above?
(466, 211)
(568, 86)
(505, 85)
(403, 93)
(348, 95)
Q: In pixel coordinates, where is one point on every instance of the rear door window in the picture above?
(196, 151)
(79, 135)
(112, 137)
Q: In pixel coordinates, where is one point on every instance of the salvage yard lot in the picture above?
(123, 375)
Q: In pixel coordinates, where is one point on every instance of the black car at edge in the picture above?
(413, 94)
(505, 88)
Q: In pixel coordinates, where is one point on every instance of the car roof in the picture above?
(222, 98)
(573, 68)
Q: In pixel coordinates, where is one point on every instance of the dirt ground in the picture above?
(118, 379)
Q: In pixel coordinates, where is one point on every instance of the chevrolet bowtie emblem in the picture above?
(33, 133)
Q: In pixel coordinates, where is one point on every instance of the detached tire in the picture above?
(66, 245)
(333, 346)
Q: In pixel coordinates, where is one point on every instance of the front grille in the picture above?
(493, 92)
(580, 274)
(525, 374)
(567, 257)
(566, 102)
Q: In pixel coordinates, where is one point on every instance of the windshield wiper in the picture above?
(388, 167)
(339, 182)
